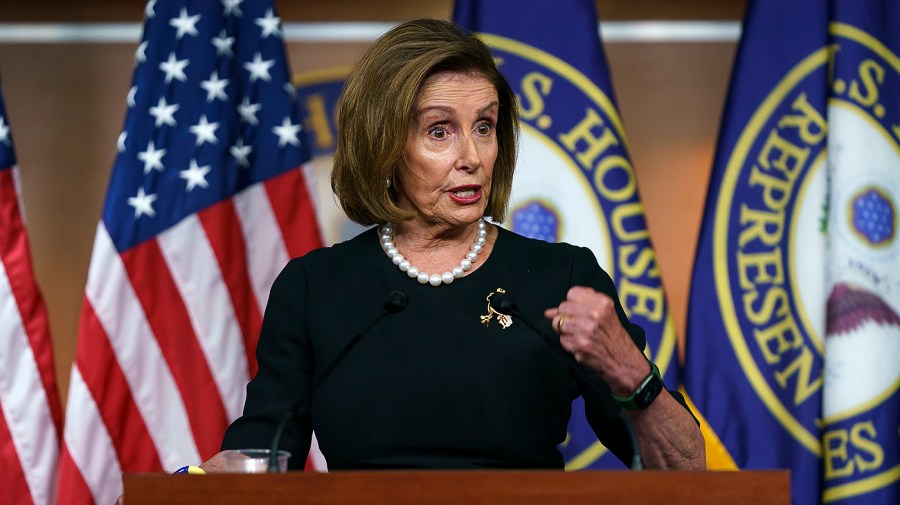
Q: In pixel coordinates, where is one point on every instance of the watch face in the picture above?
(649, 393)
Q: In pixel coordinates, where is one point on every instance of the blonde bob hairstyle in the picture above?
(378, 106)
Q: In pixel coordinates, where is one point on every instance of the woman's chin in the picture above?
(456, 219)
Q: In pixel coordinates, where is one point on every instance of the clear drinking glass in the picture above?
(253, 460)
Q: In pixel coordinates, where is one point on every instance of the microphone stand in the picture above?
(505, 305)
(276, 440)
(396, 301)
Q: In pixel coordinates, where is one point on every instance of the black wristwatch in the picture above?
(645, 393)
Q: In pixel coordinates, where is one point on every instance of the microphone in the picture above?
(636, 462)
(396, 302)
(502, 303)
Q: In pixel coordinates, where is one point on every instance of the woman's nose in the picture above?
(469, 157)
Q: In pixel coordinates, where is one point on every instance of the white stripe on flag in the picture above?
(154, 390)
(315, 454)
(24, 400)
(195, 269)
(17, 185)
(266, 251)
(89, 443)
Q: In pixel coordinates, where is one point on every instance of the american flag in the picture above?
(206, 203)
(30, 414)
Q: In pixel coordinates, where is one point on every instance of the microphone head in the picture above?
(396, 301)
(502, 303)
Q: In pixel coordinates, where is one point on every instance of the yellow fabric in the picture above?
(717, 456)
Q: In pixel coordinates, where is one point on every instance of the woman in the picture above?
(426, 151)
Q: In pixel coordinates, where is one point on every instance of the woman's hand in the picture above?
(589, 328)
(215, 464)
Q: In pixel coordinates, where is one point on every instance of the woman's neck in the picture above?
(438, 250)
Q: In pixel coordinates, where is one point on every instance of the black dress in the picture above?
(430, 386)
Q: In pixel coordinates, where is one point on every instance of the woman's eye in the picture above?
(439, 132)
(485, 128)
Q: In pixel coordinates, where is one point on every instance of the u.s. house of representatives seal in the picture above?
(574, 183)
(807, 253)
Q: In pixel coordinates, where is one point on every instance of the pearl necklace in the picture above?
(387, 243)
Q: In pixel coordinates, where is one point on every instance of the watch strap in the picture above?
(645, 393)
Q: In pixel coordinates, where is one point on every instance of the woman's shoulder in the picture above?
(342, 257)
(521, 245)
(356, 246)
(540, 258)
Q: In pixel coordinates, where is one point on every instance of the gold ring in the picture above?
(559, 323)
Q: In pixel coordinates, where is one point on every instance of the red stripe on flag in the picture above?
(223, 228)
(16, 257)
(72, 490)
(293, 209)
(169, 320)
(292, 206)
(104, 378)
(12, 478)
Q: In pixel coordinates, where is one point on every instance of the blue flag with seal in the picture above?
(574, 181)
(793, 328)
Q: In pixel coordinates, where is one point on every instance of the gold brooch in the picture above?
(504, 320)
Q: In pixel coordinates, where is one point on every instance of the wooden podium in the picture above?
(464, 488)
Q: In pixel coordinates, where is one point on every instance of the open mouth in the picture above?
(466, 194)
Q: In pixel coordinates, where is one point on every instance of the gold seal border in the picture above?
(733, 168)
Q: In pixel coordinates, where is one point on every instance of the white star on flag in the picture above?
(142, 203)
(185, 24)
(174, 68)
(149, 10)
(287, 133)
(248, 111)
(4, 131)
(259, 68)
(270, 24)
(232, 7)
(120, 142)
(140, 55)
(290, 90)
(195, 175)
(223, 44)
(241, 153)
(130, 98)
(215, 88)
(164, 113)
(205, 131)
(152, 158)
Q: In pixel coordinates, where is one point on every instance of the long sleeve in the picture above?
(285, 367)
(601, 410)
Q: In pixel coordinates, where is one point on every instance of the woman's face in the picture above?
(450, 150)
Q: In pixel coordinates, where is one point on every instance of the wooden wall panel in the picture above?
(363, 10)
(66, 107)
(670, 97)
